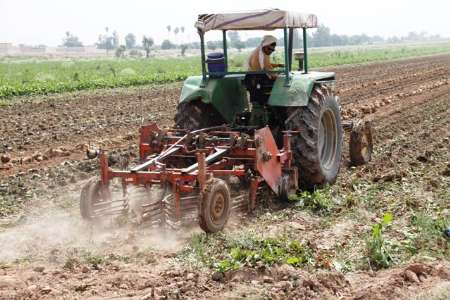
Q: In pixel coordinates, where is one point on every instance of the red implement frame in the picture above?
(186, 161)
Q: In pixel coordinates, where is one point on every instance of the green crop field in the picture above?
(44, 76)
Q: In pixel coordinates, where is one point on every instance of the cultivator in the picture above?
(200, 175)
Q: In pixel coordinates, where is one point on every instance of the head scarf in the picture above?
(266, 41)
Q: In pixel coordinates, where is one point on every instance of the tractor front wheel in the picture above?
(361, 143)
(215, 207)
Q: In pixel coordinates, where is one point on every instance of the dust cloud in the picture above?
(62, 231)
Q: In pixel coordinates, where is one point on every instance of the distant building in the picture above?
(30, 50)
(70, 49)
(5, 48)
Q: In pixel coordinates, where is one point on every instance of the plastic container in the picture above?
(215, 62)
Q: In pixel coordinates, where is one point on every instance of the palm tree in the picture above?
(175, 31)
(147, 43)
(169, 28)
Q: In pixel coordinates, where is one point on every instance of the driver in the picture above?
(259, 59)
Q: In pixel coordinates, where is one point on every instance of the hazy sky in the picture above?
(46, 21)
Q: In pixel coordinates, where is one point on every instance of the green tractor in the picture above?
(235, 131)
(296, 100)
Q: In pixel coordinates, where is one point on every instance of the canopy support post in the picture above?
(202, 50)
(286, 57)
(291, 46)
(225, 52)
(305, 51)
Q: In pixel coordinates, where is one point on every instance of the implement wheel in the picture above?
(196, 115)
(318, 147)
(215, 207)
(92, 198)
(361, 143)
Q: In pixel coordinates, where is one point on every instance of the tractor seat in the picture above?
(259, 86)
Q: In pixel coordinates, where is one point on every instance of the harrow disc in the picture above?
(92, 198)
(96, 202)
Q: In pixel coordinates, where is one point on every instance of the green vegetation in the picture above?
(36, 77)
(428, 233)
(417, 234)
(377, 248)
(319, 201)
(224, 253)
(75, 257)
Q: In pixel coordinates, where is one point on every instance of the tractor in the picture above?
(236, 134)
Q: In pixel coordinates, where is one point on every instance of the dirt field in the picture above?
(48, 252)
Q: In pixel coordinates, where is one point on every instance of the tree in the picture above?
(147, 43)
(183, 48)
(235, 40)
(130, 41)
(297, 40)
(105, 41)
(175, 31)
(116, 41)
(239, 45)
(336, 40)
(71, 40)
(120, 51)
(166, 44)
(169, 28)
(234, 37)
(211, 45)
(194, 45)
(252, 42)
(321, 37)
(182, 29)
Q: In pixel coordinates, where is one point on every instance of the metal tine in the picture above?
(110, 208)
(110, 213)
(109, 202)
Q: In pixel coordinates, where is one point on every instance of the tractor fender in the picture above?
(226, 94)
(299, 89)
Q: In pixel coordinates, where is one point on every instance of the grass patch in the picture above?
(224, 253)
(78, 256)
(428, 234)
(320, 201)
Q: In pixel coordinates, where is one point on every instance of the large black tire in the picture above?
(216, 206)
(196, 115)
(318, 147)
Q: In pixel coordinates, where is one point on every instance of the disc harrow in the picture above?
(198, 176)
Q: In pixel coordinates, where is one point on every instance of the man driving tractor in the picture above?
(261, 85)
(259, 59)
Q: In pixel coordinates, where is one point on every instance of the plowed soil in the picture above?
(42, 238)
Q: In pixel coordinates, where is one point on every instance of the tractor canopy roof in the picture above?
(267, 19)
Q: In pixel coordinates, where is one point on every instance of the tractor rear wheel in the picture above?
(215, 207)
(318, 147)
(196, 115)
